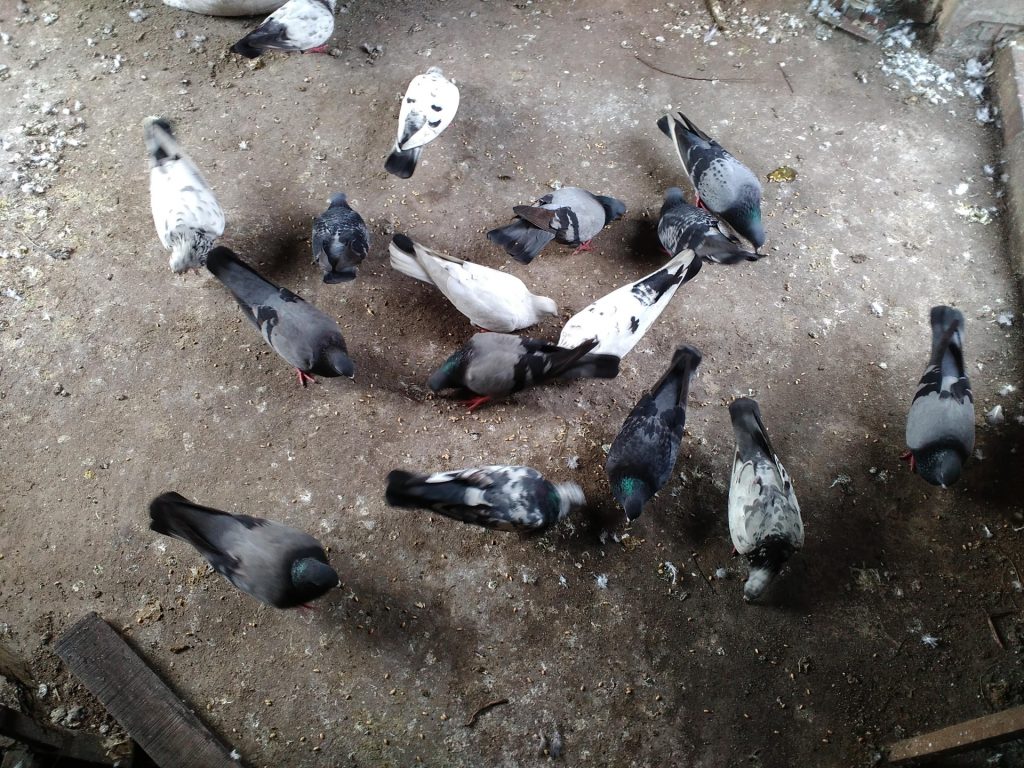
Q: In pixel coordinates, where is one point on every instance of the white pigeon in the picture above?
(298, 25)
(429, 106)
(764, 516)
(187, 216)
(491, 299)
(620, 319)
(226, 7)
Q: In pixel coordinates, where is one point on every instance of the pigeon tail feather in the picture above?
(521, 240)
(402, 163)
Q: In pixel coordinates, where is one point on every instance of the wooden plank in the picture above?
(78, 746)
(156, 719)
(972, 734)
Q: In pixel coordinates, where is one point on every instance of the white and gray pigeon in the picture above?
(429, 107)
(298, 25)
(723, 184)
(505, 498)
(569, 215)
(276, 564)
(493, 365)
(307, 338)
(940, 425)
(683, 226)
(340, 240)
(226, 7)
(644, 453)
(187, 216)
(764, 516)
(619, 319)
(492, 300)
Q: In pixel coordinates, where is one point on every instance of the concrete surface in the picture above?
(972, 27)
(1008, 75)
(120, 380)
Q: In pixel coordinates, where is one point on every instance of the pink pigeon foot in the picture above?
(304, 377)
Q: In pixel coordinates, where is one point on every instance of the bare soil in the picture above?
(120, 380)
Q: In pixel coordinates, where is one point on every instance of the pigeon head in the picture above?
(544, 305)
(339, 362)
(939, 465)
(673, 197)
(765, 563)
(449, 375)
(745, 216)
(632, 493)
(312, 577)
(567, 496)
(613, 209)
(339, 198)
(189, 252)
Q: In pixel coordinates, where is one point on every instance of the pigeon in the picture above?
(186, 214)
(683, 226)
(723, 184)
(340, 241)
(492, 300)
(764, 517)
(644, 452)
(429, 106)
(498, 364)
(569, 215)
(298, 25)
(278, 565)
(499, 497)
(226, 7)
(940, 425)
(299, 332)
(620, 319)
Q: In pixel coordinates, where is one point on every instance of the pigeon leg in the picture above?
(476, 402)
(908, 457)
(583, 247)
(307, 607)
(698, 202)
(319, 49)
(304, 377)
(481, 329)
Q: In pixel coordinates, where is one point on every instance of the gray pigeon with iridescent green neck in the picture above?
(723, 184)
(643, 454)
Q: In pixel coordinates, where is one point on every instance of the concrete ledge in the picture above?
(973, 26)
(1009, 82)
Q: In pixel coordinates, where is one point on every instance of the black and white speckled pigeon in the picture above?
(683, 226)
(298, 25)
(491, 299)
(340, 241)
(276, 564)
(723, 184)
(500, 497)
(569, 215)
(307, 338)
(498, 364)
(619, 319)
(940, 425)
(764, 517)
(429, 106)
(187, 216)
(644, 452)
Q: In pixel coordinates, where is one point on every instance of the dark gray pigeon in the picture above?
(570, 215)
(501, 497)
(764, 517)
(278, 565)
(683, 226)
(723, 184)
(497, 364)
(940, 425)
(340, 241)
(299, 332)
(644, 452)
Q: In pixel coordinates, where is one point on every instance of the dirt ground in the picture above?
(120, 380)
